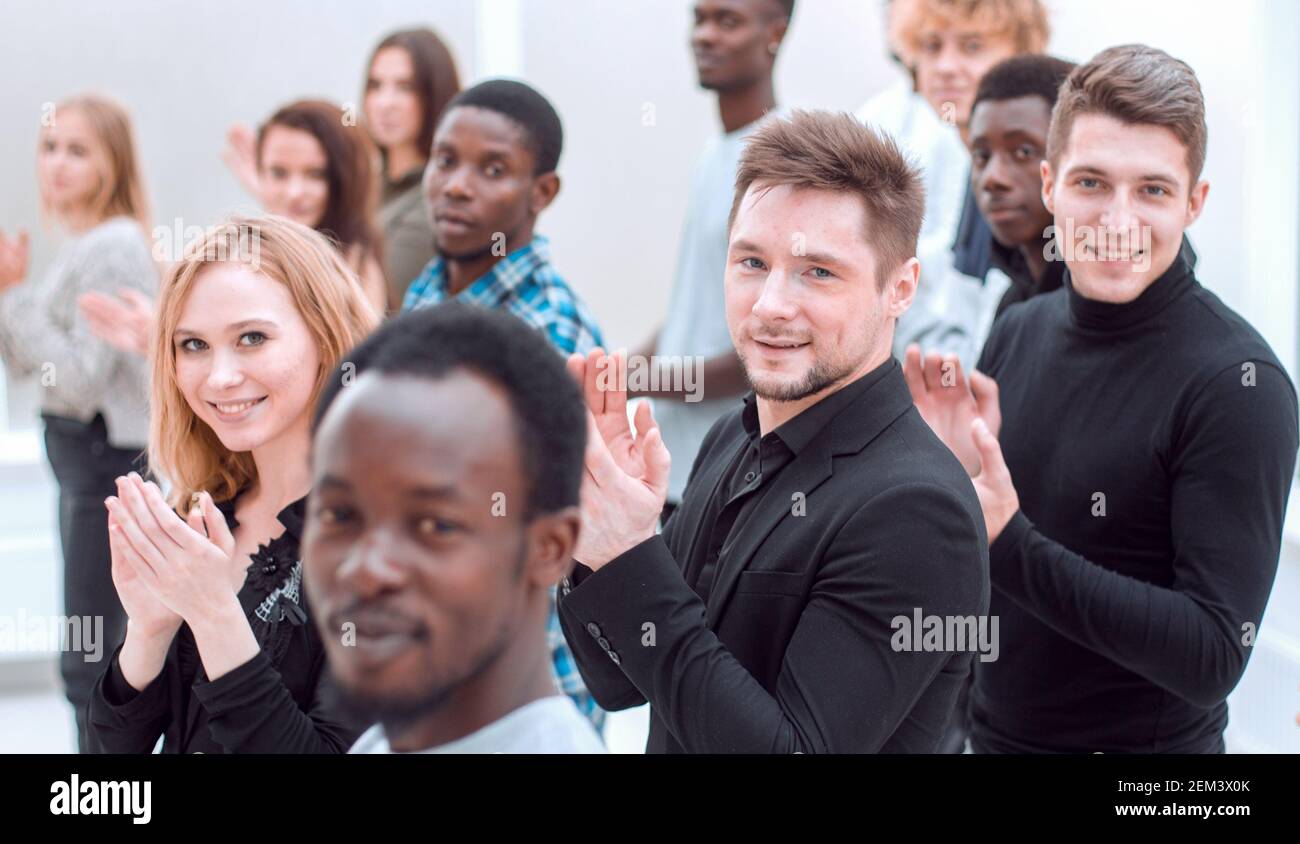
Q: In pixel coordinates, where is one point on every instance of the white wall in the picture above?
(187, 71)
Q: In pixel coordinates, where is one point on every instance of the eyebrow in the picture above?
(236, 326)
(810, 257)
(1145, 177)
(334, 482)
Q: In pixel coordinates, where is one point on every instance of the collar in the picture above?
(293, 517)
(411, 178)
(1112, 316)
(502, 278)
(1012, 261)
(802, 430)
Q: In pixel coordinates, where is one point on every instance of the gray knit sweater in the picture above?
(43, 333)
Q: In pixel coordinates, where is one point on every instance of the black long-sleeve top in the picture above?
(763, 619)
(1152, 446)
(277, 702)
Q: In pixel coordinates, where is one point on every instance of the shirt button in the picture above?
(603, 642)
(614, 658)
(593, 629)
(749, 477)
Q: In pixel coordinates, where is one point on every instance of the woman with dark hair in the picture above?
(409, 81)
(309, 162)
(317, 168)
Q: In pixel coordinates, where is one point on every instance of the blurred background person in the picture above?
(947, 46)
(309, 166)
(410, 79)
(94, 397)
(735, 43)
(220, 655)
(1008, 142)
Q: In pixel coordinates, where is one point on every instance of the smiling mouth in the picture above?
(780, 345)
(235, 408)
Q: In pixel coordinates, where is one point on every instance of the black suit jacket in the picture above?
(794, 649)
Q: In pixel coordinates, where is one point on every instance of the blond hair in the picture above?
(328, 296)
(121, 187)
(1024, 21)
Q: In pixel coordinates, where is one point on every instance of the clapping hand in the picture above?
(949, 404)
(15, 252)
(626, 478)
(125, 321)
(187, 566)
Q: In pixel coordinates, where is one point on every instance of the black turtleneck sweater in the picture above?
(1152, 445)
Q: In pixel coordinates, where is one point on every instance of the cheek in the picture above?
(190, 374)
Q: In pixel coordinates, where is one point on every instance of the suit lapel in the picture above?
(847, 433)
(804, 474)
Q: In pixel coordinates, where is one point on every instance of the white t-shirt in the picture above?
(697, 312)
(549, 725)
(951, 311)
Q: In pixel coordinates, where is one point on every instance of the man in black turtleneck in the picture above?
(1135, 494)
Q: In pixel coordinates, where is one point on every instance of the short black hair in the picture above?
(434, 342)
(523, 104)
(1024, 76)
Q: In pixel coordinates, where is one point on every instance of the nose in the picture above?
(1119, 212)
(703, 35)
(945, 61)
(456, 183)
(775, 303)
(993, 179)
(296, 187)
(225, 373)
(368, 570)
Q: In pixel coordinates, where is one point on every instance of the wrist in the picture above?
(153, 632)
(217, 617)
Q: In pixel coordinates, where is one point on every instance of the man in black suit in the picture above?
(823, 524)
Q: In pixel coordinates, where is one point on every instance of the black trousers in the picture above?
(85, 466)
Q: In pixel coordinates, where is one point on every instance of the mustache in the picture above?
(371, 616)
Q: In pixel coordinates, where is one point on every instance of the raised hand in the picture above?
(949, 403)
(240, 155)
(620, 509)
(15, 252)
(125, 321)
(147, 614)
(604, 389)
(194, 575)
(626, 479)
(993, 485)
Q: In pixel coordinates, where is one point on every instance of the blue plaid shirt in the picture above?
(525, 284)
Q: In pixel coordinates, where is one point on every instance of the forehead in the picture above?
(69, 125)
(1030, 114)
(392, 61)
(482, 128)
(836, 221)
(282, 141)
(457, 429)
(227, 292)
(1124, 150)
(743, 8)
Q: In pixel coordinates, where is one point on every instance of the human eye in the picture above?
(254, 338)
(192, 344)
(435, 527)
